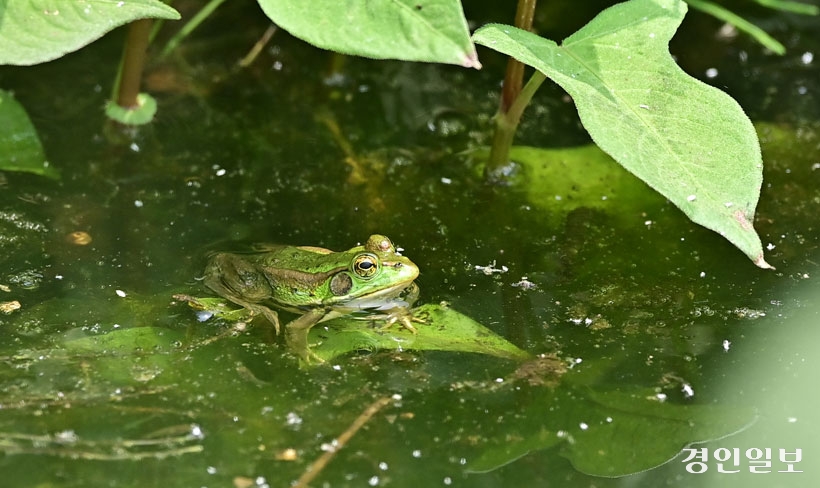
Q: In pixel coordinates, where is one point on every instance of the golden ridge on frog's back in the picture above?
(320, 284)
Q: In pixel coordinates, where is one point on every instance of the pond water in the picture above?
(646, 332)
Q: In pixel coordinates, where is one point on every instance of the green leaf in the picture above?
(689, 141)
(742, 24)
(37, 31)
(445, 330)
(420, 30)
(20, 148)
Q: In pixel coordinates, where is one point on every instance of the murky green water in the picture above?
(656, 333)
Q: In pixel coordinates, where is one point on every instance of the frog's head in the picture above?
(374, 270)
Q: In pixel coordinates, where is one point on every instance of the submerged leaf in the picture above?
(613, 433)
(689, 141)
(429, 30)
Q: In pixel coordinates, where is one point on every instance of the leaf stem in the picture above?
(189, 27)
(507, 123)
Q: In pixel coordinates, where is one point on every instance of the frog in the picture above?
(370, 281)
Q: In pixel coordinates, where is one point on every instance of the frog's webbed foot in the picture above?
(405, 318)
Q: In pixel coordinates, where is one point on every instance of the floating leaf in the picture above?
(445, 330)
(689, 141)
(20, 148)
(34, 32)
(560, 180)
(420, 30)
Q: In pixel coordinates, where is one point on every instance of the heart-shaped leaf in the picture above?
(689, 141)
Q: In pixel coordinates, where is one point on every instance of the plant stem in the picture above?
(133, 62)
(507, 123)
(189, 27)
(514, 76)
(506, 119)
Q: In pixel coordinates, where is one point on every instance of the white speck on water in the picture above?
(221, 172)
(711, 73)
(120, 293)
(648, 223)
(558, 198)
(609, 420)
(446, 180)
(196, 432)
(336, 367)
(807, 57)
(203, 315)
(292, 419)
(134, 147)
(703, 274)
(691, 198)
(373, 481)
(791, 420)
(802, 90)
(687, 390)
(383, 466)
(728, 204)
(499, 380)
(448, 481)
(120, 4)
(66, 437)
(661, 397)
(644, 106)
(138, 203)
(726, 345)
(583, 426)
(210, 470)
(416, 453)
(770, 246)
(651, 35)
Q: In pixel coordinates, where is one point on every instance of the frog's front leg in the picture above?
(215, 283)
(296, 334)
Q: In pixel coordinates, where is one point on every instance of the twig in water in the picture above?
(319, 464)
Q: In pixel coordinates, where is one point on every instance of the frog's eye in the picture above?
(365, 265)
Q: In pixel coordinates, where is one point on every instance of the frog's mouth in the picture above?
(385, 299)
